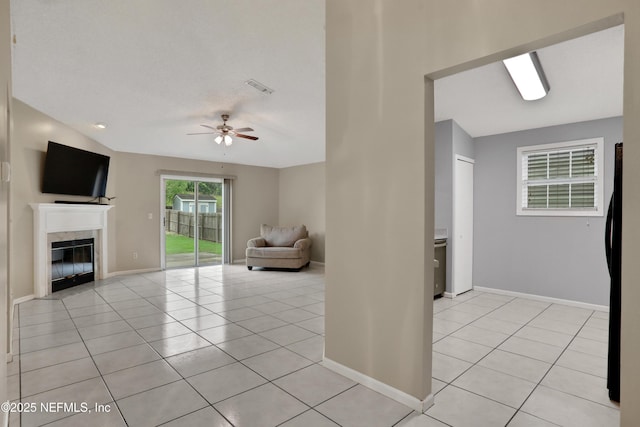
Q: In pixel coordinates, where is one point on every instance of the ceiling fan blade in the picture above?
(202, 133)
(209, 127)
(253, 138)
(243, 130)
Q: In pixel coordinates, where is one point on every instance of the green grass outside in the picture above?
(178, 244)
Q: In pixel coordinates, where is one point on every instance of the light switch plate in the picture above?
(5, 171)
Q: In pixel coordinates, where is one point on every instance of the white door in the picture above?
(462, 225)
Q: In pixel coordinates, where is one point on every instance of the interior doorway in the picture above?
(491, 124)
(536, 320)
(194, 221)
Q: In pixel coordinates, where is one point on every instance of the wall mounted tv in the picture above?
(72, 171)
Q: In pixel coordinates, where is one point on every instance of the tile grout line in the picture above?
(182, 378)
(145, 342)
(93, 360)
(240, 361)
(473, 364)
(76, 382)
(549, 369)
(475, 320)
(236, 361)
(496, 347)
(558, 358)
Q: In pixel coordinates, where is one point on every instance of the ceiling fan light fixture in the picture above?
(225, 132)
(527, 74)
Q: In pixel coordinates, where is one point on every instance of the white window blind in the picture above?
(561, 179)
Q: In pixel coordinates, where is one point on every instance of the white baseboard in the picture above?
(15, 302)
(12, 311)
(544, 299)
(382, 388)
(129, 272)
(318, 263)
(21, 300)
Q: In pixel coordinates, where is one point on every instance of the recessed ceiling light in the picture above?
(528, 76)
(259, 86)
(100, 125)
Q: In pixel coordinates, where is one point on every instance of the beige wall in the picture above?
(302, 201)
(31, 132)
(378, 304)
(133, 179)
(373, 51)
(5, 100)
(255, 201)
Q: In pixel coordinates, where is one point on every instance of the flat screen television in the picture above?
(76, 172)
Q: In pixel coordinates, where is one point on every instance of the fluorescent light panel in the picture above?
(528, 76)
(259, 86)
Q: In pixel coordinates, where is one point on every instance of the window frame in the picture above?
(598, 211)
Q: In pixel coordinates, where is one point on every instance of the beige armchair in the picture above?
(279, 247)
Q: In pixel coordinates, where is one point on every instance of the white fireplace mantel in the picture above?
(58, 218)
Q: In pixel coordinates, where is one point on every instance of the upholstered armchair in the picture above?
(279, 247)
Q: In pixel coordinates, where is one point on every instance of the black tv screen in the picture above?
(72, 171)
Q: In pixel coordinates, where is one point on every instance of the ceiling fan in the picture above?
(225, 132)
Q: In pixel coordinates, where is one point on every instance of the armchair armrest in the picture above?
(302, 243)
(257, 242)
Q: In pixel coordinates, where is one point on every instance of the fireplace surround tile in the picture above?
(54, 222)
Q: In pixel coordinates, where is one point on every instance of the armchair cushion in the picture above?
(302, 243)
(274, 252)
(257, 242)
(282, 236)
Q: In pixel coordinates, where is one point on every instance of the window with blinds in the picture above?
(561, 179)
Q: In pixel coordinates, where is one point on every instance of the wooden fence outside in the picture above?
(209, 224)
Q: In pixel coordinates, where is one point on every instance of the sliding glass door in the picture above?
(209, 220)
(193, 225)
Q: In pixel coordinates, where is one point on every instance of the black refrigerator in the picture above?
(613, 250)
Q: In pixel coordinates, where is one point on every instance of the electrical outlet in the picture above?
(135, 255)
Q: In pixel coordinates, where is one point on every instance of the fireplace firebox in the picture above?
(72, 263)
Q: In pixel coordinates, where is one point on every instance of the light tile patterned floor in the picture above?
(500, 360)
(221, 346)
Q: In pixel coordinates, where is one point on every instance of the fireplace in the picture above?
(54, 223)
(72, 263)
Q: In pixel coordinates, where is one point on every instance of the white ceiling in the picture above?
(154, 70)
(585, 76)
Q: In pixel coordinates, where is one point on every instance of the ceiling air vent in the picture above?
(259, 86)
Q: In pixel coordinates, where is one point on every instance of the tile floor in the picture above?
(222, 346)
